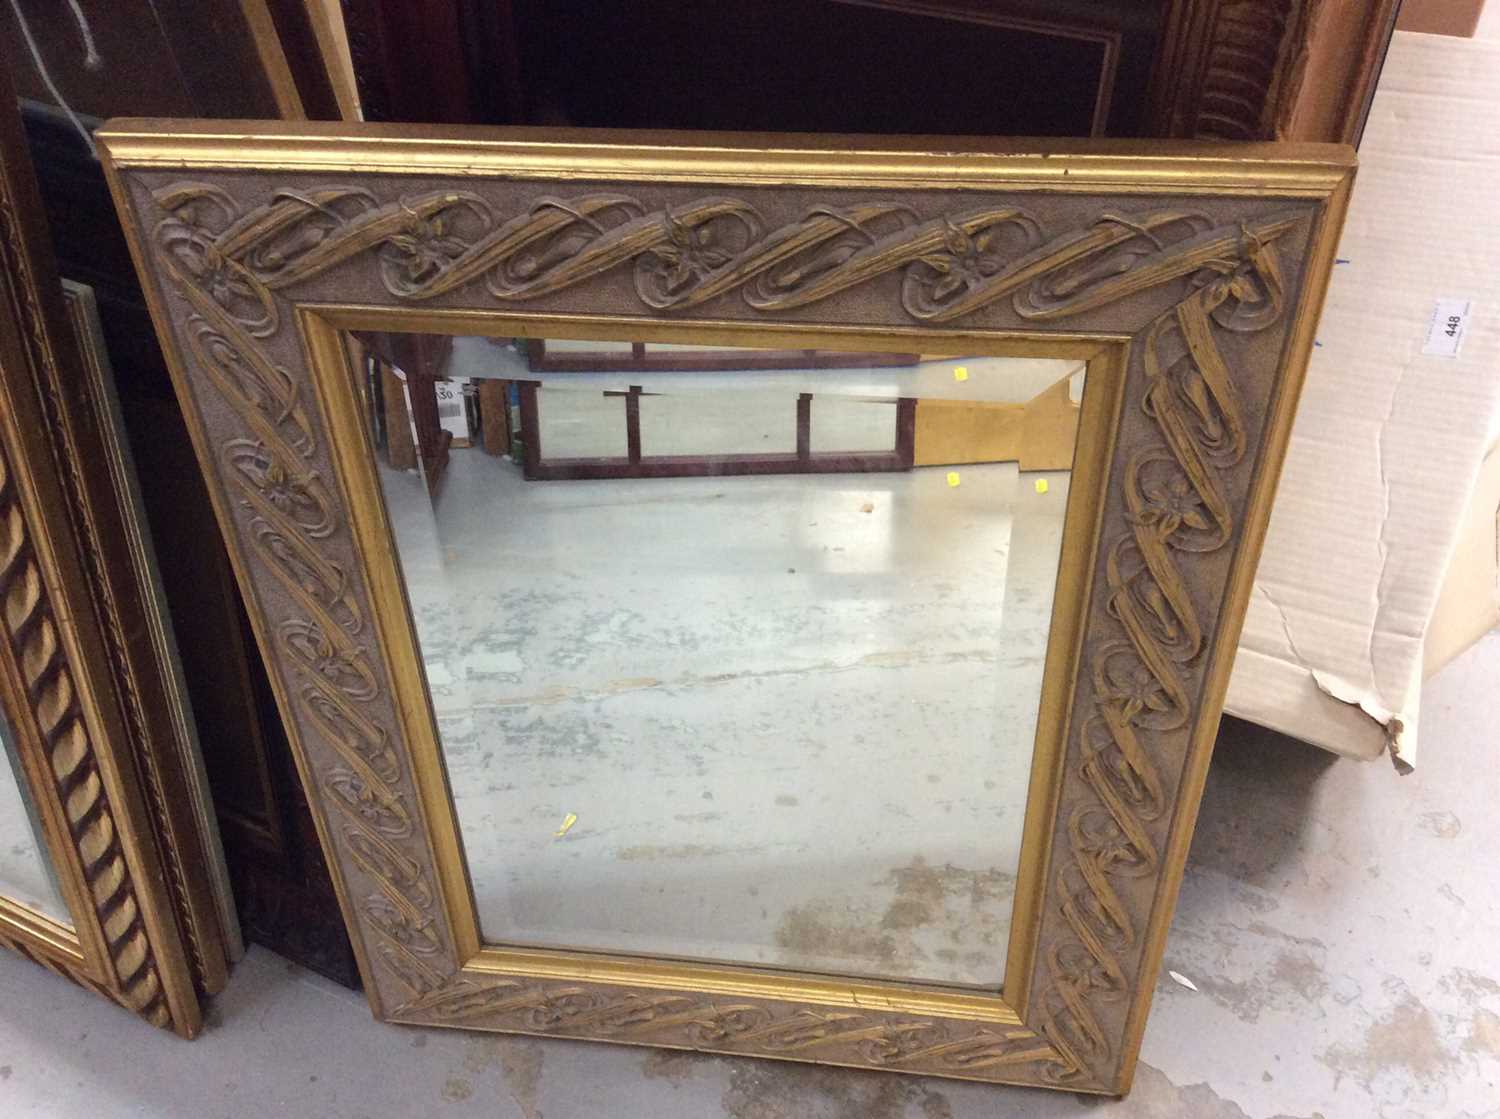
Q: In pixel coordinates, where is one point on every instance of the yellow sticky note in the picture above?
(953, 477)
(1041, 485)
(960, 372)
(568, 821)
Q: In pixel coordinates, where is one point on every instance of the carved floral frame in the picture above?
(1191, 275)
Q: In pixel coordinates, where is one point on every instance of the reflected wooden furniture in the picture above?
(1037, 435)
(638, 463)
(641, 357)
(414, 431)
(400, 444)
(494, 416)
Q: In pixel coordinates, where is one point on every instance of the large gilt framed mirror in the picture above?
(754, 594)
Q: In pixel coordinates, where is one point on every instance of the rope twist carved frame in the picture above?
(30, 626)
(229, 266)
(31, 621)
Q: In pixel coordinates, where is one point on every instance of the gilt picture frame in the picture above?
(110, 928)
(1189, 277)
(95, 730)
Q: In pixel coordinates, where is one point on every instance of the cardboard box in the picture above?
(1440, 17)
(1390, 434)
(1468, 605)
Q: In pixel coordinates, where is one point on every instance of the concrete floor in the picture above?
(733, 686)
(1340, 924)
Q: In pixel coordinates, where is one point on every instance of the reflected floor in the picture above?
(781, 709)
(25, 870)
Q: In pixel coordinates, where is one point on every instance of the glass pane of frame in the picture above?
(26, 874)
(728, 667)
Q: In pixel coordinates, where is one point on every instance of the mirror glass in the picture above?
(735, 654)
(26, 875)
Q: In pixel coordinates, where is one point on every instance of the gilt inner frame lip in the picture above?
(323, 328)
(1073, 917)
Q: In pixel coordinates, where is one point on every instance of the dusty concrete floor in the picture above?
(732, 687)
(729, 687)
(1341, 925)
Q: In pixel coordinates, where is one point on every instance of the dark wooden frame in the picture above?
(1043, 17)
(1247, 70)
(1269, 69)
(464, 61)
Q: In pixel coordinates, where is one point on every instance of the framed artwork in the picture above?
(893, 768)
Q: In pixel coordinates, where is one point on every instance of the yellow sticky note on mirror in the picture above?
(568, 821)
(960, 372)
(1041, 485)
(953, 477)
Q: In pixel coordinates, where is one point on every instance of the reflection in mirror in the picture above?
(26, 875)
(736, 655)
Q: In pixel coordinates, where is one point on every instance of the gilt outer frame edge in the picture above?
(61, 662)
(1194, 479)
(148, 671)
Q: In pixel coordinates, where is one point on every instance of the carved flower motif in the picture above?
(966, 262)
(282, 490)
(222, 279)
(1138, 689)
(343, 667)
(1172, 505)
(424, 247)
(689, 254)
(1110, 848)
(337, 664)
(1243, 291)
(1229, 279)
